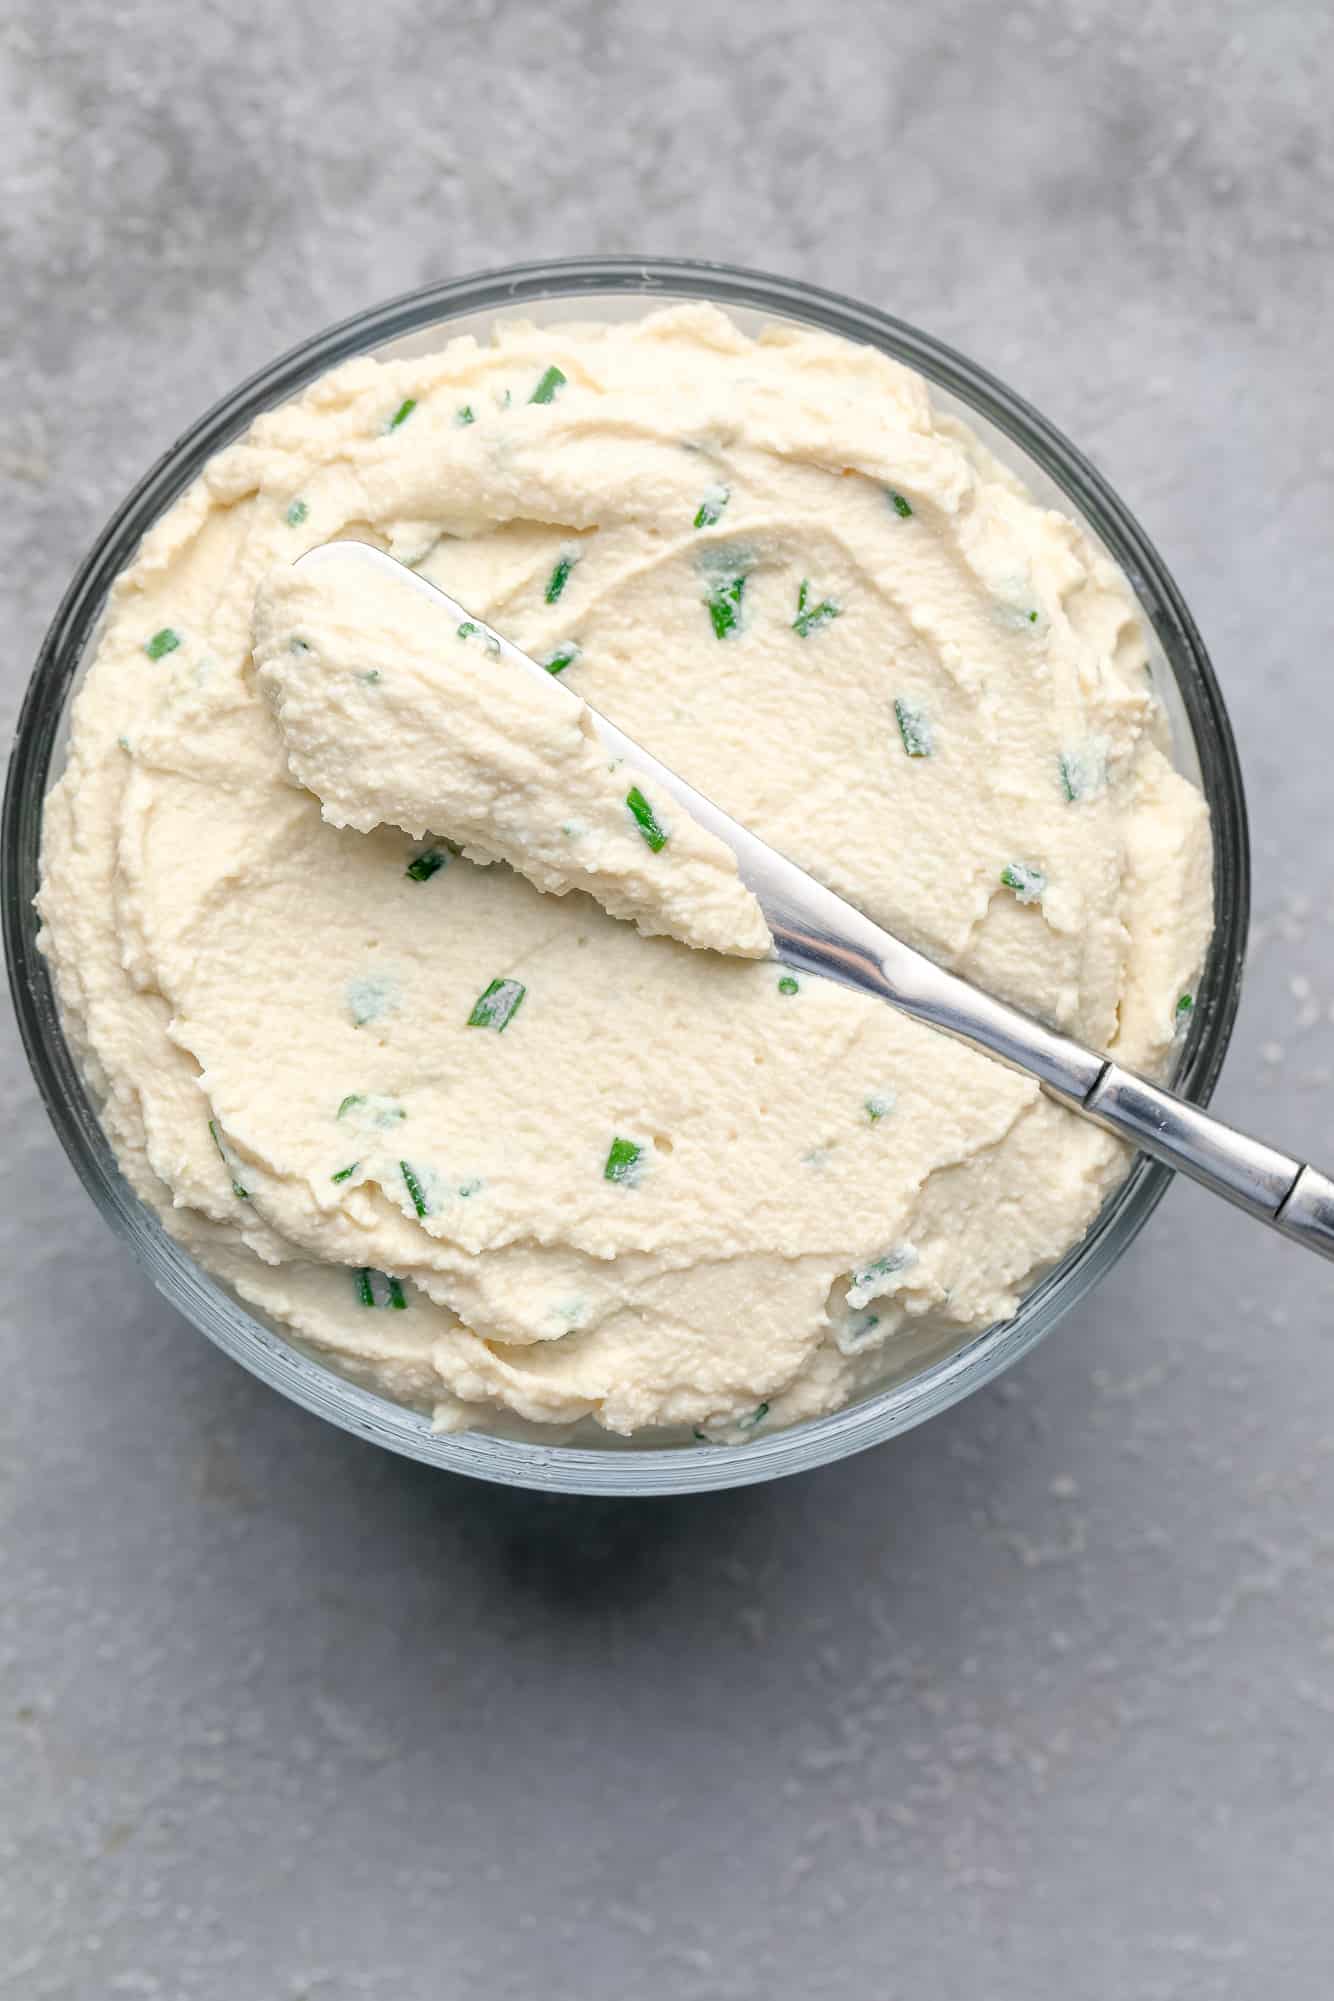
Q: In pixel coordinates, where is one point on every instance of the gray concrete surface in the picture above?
(1038, 1702)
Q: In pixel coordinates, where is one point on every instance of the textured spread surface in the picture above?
(687, 1192)
(1036, 1701)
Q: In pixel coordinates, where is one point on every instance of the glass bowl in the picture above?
(926, 1382)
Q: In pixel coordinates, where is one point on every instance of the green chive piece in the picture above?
(297, 513)
(787, 985)
(164, 641)
(464, 415)
(901, 506)
(623, 1159)
(879, 1105)
(863, 1280)
(1029, 884)
(1083, 772)
(724, 603)
(470, 627)
(711, 507)
(559, 577)
(414, 1188)
(423, 866)
(756, 1416)
(562, 657)
(241, 1194)
(856, 1332)
(646, 820)
(369, 1000)
(810, 617)
(498, 1005)
(1184, 1008)
(1032, 618)
(364, 1279)
(914, 729)
(379, 1111)
(345, 1173)
(467, 1188)
(552, 380)
(403, 412)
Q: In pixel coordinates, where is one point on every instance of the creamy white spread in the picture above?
(489, 1149)
(392, 717)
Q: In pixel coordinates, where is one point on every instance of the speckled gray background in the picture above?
(1038, 1702)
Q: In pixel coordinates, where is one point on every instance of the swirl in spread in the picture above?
(458, 1127)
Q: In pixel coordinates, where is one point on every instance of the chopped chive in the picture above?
(863, 1281)
(559, 577)
(370, 677)
(464, 415)
(297, 513)
(1032, 618)
(811, 616)
(646, 820)
(164, 641)
(1183, 1010)
(346, 1173)
(879, 1105)
(552, 380)
(467, 1188)
(914, 729)
(470, 627)
(241, 1194)
(855, 1333)
(760, 1412)
(1029, 884)
(369, 999)
(403, 412)
(787, 985)
(712, 505)
(414, 1188)
(1083, 772)
(901, 506)
(562, 657)
(423, 866)
(380, 1111)
(724, 603)
(364, 1279)
(623, 1159)
(498, 1005)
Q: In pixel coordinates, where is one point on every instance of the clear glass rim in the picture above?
(633, 1471)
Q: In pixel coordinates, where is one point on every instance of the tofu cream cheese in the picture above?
(452, 1051)
(392, 718)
